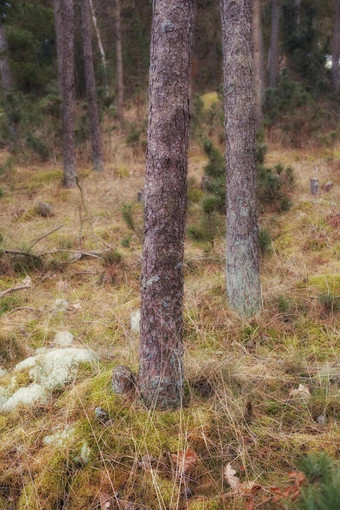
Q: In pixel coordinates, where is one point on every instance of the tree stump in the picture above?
(314, 186)
(123, 381)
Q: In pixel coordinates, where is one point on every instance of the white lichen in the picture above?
(59, 439)
(63, 339)
(135, 321)
(27, 396)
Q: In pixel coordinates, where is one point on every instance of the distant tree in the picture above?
(161, 348)
(7, 87)
(242, 257)
(274, 43)
(95, 133)
(100, 45)
(69, 180)
(258, 59)
(58, 21)
(336, 49)
(119, 58)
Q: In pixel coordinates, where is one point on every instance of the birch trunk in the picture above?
(119, 57)
(68, 95)
(93, 114)
(258, 60)
(7, 88)
(100, 46)
(336, 49)
(242, 254)
(161, 345)
(274, 43)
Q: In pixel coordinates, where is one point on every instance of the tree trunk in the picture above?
(58, 22)
(242, 257)
(68, 95)
(119, 57)
(95, 133)
(258, 60)
(7, 88)
(274, 43)
(161, 348)
(100, 46)
(336, 49)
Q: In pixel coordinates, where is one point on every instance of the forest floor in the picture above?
(241, 408)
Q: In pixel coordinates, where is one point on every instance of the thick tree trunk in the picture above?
(96, 138)
(119, 57)
(100, 46)
(58, 22)
(68, 95)
(7, 88)
(161, 372)
(336, 49)
(243, 281)
(274, 44)
(258, 60)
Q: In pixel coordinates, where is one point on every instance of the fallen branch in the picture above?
(26, 284)
(94, 254)
(43, 237)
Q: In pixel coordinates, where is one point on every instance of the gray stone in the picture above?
(321, 420)
(123, 381)
(328, 186)
(315, 186)
(100, 413)
(44, 209)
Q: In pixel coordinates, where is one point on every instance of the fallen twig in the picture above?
(43, 237)
(25, 284)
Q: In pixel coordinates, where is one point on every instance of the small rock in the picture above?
(44, 209)
(123, 381)
(141, 195)
(187, 493)
(60, 305)
(321, 420)
(315, 186)
(328, 186)
(100, 413)
(63, 339)
(301, 392)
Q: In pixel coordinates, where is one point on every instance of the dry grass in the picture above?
(238, 373)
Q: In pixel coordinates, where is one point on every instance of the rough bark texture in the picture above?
(68, 95)
(274, 43)
(58, 22)
(161, 373)
(336, 49)
(243, 282)
(119, 58)
(258, 59)
(95, 133)
(7, 87)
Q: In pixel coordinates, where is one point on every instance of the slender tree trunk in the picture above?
(100, 46)
(96, 138)
(68, 95)
(242, 257)
(274, 44)
(7, 88)
(258, 60)
(161, 347)
(58, 22)
(336, 49)
(119, 57)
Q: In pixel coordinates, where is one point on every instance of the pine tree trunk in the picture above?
(336, 49)
(100, 46)
(161, 349)
(68, 95)
(242, 257)
(93, 114)
(119, 57)
(58, 22)
(258, 60)
(7, 88)
(274, 43)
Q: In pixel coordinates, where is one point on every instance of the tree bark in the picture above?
(336, 49)
(258, 60)
(58, 22)
(161, 345)
(68, 95)
(119, 58)
(274, 43)
(100, 46)
(7, 88)
(242, 256)
(93, 114)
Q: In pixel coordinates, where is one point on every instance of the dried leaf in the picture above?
(229, 474)
(185, 460)
(301, 392)
(105, 501)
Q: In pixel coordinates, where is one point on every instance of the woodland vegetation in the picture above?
(169, 254)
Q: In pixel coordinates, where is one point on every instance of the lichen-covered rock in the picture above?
(44, 209)
(123, 381)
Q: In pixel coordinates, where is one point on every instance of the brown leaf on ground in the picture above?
(229, 474)
(185, 460)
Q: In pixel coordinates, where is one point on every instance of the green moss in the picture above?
(206, 504)
(326, 283)
(209, 99)
(84, 488)
(46, 177)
